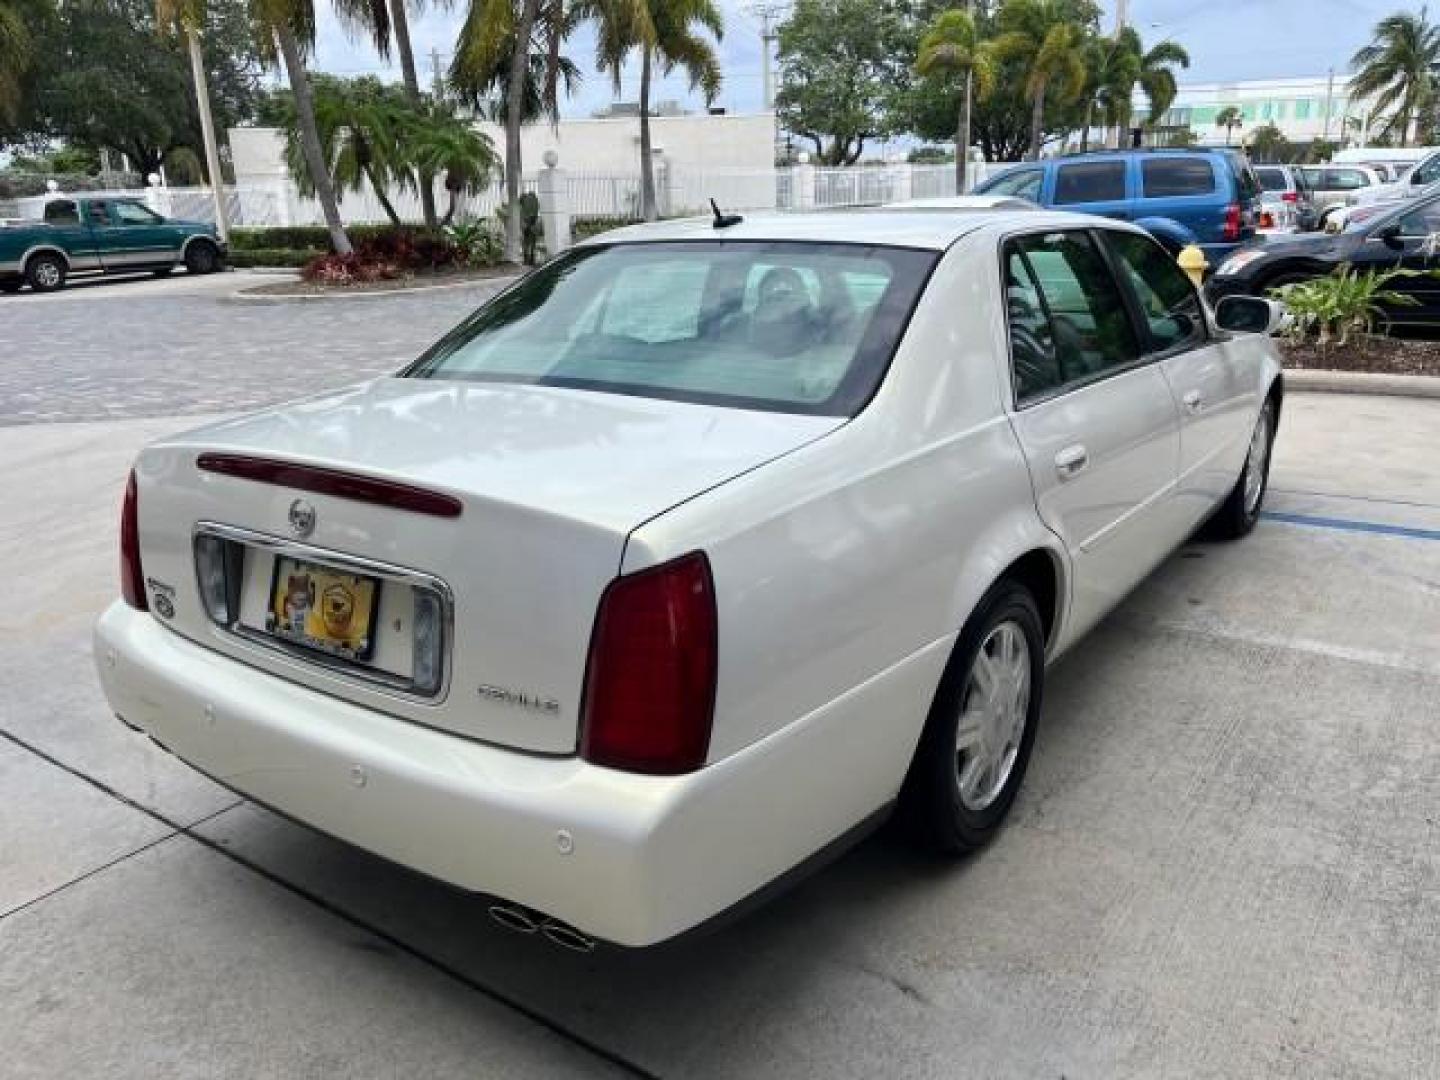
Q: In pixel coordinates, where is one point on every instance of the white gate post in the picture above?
(803, 183)
(902, 180)
(553, 191)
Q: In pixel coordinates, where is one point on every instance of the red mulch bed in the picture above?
(1383, 355)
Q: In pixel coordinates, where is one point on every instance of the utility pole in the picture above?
(769, 13)
(207, 134)
(1122, 15)
(1329, 104)
(439, 83)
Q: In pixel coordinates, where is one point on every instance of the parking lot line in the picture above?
(1351, 525)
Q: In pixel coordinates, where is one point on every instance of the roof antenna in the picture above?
(724, 221)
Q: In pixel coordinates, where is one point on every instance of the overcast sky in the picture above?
(1227, 40)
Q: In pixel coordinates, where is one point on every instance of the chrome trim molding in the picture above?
(309, 659)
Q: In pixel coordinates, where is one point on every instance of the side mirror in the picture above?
(1249, 315)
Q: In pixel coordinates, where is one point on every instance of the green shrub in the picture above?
(1343, 302)
(292, 257)
(312, 238)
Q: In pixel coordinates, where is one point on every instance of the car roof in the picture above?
(927, 229)
(963, 202)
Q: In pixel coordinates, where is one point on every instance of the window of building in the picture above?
(1302, 108)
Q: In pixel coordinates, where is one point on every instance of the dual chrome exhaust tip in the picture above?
(524, 921)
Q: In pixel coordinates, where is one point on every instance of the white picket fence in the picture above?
(679, 191)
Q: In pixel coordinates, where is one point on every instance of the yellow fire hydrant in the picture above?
(1192, 260)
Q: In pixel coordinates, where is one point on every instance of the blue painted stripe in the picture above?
(1347, 525)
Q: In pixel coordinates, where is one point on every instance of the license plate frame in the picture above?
(326, 600)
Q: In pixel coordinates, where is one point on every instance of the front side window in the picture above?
(782, 326)
(1167, 299)
(1089, 328)
(134, 214)
(99, 214)
(1344, 179)
(1022, 183)
(1422, 221)
(1427, 172)
(1091, 181)
(1168, 177)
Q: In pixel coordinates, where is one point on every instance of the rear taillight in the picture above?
(1232, 222)
(1290, 196)
(1267, 219)
(132, 578)
(650, 680)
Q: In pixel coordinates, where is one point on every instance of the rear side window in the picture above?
(1166, 177)
(1022, 183)
(62, 212)
(1167, 299)
(1272, 179)
(1344, 180)
(1086, 330)
(1091, 181)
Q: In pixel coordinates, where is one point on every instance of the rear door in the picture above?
(1186, 189)
(71, 234)
(1215, 403)
(1095, 418)
(1092, 187)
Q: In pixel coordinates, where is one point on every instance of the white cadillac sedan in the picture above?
(692, 554)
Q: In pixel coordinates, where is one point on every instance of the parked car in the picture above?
(1286, 203)
(102, 234)
(1406, 235)
(1338, 185)
(692, 553)
(1415, 181)
(1210, 198)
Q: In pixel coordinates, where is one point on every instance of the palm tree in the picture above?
(16, 49)
(952, 46)
(1229, 118)
(495, 53)
(364, 128)
(444, 145)
(187, 17)
(667, 33)
(1152, 70)
(1041, 35)
(1398, 69)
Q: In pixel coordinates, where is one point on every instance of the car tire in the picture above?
(976, 744)
(1241, 509)
(202, 257)
(45, 272)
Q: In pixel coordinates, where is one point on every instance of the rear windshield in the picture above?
(1272, 180)
(787, 327)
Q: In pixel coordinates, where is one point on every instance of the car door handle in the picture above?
(1071, 461)
(1194, 401)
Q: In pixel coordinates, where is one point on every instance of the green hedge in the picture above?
(311, 238)
(292, 257)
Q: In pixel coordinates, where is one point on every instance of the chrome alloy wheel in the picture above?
(47, 274)
(993, 711)
(1255, 464)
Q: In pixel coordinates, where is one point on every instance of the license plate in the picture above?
(323, 609)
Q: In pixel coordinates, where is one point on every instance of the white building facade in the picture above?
(1303, 109)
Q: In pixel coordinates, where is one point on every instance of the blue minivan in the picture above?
(1181, 197)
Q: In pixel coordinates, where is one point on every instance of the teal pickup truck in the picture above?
(103, 234)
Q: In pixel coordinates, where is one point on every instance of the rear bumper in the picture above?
(628, 859)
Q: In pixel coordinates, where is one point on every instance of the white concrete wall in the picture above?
(611, 146)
